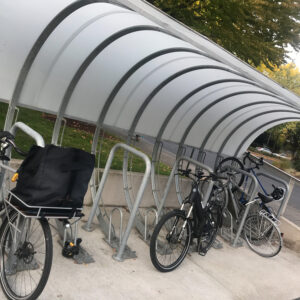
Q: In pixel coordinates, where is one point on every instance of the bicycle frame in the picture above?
(262, 204)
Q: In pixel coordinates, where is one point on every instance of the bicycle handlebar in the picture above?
(200, 174)
(7, 140)
(257, 162)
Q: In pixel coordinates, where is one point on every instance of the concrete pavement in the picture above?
(228, 273)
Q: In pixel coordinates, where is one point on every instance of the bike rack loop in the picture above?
(146, 220)
(29, 131)
(252, 196)
(110, 224)
(138, 199)
(284, 200)
(168, 186)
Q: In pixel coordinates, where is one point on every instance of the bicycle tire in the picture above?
(31, 261)
(232, 161)
(163, 245)
(262, 235)
(213, 221)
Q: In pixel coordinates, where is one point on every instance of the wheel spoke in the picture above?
(25, 268)
(167, 252)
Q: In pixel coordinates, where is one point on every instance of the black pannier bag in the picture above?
(54, 176)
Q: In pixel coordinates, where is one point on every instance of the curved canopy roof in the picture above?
(106, 64)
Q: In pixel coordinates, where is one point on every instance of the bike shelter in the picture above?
(125, 65)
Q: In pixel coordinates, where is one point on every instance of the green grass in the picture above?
(72, 138)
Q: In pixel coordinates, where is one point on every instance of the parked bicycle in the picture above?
(172, 236)
(261, 230)
(26, 248)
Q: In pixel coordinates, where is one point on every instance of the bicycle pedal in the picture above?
(70, 249)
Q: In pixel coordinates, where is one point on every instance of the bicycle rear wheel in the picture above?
(170, 241)
(237, 177)
(25, 257)
(262, 235)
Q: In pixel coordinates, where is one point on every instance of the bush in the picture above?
(296, 164)
(283, 164)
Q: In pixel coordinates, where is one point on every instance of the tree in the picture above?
(291, 133)
(255, 30)
(287, 75)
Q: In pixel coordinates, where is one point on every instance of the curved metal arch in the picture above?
(90, 58)
(60, 17)
(202, 148)
(258, 128)
(195, 119)
(138, 65)
(192, 93)
(183, 100)
(246, 121)
(126, 76)
(167, 81)
(76, 34)
(157, 143)
(147, 101)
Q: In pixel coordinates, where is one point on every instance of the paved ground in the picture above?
(228, 273)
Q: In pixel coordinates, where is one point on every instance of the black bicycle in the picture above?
(172, 236)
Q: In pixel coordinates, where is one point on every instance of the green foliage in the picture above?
(73, 137)
(283, 164)
(286, 135)
(287, 75)
(254, 30)
(296, 164)
(291, 133)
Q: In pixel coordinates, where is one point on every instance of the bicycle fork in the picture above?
(184, 223)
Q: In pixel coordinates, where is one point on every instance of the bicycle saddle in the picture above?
(264, 198)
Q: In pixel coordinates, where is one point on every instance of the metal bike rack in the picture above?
(29, 131)
(88, 226)
(168, 186)
(285, 198)
(177, 184)
(110, 227)
(251, 195)
(146, 220)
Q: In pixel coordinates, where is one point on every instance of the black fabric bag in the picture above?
(54, 176)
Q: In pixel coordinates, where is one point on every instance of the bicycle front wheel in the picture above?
(213, 221)
(262, 235)
(25, 257)
(170, 241)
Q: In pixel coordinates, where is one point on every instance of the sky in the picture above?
(295, 56)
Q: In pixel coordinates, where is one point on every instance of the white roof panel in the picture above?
(132, 69)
